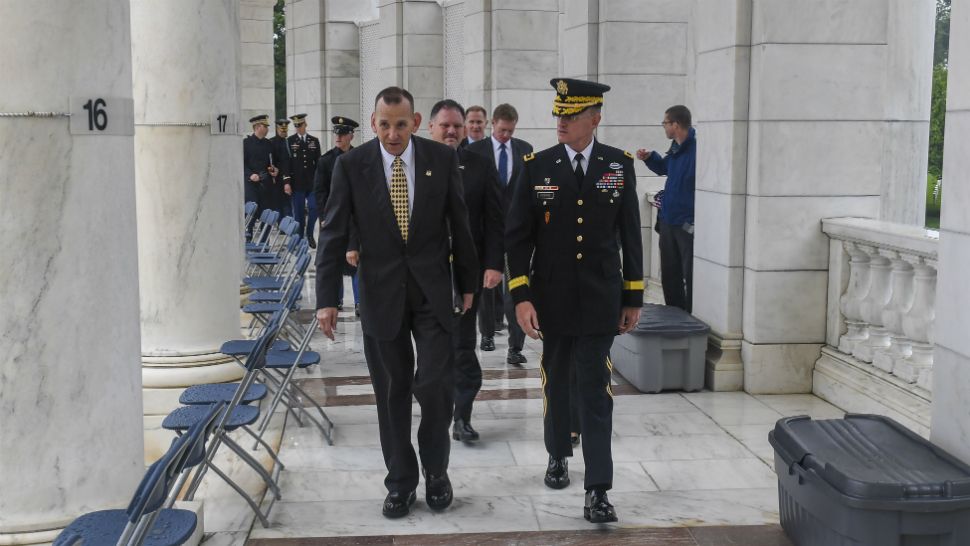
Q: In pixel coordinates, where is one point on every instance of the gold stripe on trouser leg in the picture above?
(609, 366)
(542, 375)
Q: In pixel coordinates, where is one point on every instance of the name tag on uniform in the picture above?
(546, 193)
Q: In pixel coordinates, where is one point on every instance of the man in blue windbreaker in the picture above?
(675, 220)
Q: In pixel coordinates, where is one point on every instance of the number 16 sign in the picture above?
(97, 115)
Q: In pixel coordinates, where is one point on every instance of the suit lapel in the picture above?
(374, 174)
(422, 180)
(517, 153)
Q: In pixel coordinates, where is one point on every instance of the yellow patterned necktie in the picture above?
(399, 196)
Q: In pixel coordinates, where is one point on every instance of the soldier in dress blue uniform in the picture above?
(258, 165)
(281, 188)
(304, 154)
(343, 135)
(576, 276)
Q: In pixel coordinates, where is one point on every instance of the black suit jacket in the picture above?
(483, 197)
(520, 148)
(359, 190)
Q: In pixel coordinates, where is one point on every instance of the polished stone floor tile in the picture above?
(755, 438)
(734, 408)
(664, 424)
(801, 404)
(710, 474)
(672, 448)
(665, 508)
(465, 515)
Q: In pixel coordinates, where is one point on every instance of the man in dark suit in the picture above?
(304, 154)
(483, 197)
(476, 119)
(507, 152)
(576, 273)
(406, 286)
(281, 190)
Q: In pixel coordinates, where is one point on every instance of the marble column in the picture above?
(412, 50)
(257, 74)
(722, 37)
(816, 110)
(341, 78)
(951, 375)
(909, 81)
(70, 397)
(188, 173)
(512, 52)
(305, 62)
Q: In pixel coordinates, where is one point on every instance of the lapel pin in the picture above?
(427, 173)
(462, 167)
(599, 157)
(558, 161)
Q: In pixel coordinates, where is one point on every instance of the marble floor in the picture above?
(697, 462)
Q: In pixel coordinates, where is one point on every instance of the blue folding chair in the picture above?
(149, 518)
(236, 416)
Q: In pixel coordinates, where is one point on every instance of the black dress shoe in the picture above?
(356, 309)
(397, 504)
(499, 326)
(557, 473)
(574, 439)
(488, 344)
(598, 508)
(310, 241)
(464, 432)
(516, 358)
(437, 491)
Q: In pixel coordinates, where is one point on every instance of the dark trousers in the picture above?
(589, 356)
(392, 369)
(468, 371)
(676, 265)
(516, 335)
(486, 311)
(305, 211)
(252, 191)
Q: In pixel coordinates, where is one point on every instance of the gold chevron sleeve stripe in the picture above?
(542, 375)
(633, 285)
(521, 280)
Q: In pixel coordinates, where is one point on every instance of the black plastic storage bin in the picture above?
(665, 351)
(866, 480)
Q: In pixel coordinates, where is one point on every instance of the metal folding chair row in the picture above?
(150, 517)
(237, 415)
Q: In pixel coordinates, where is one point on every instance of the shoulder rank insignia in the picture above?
(628, 154)
(529, 157)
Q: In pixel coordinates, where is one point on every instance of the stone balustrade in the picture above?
(884, 316)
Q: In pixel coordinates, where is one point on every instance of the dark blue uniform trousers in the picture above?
(589, 357)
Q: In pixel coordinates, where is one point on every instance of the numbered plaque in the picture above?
(223, 124)
(102, 116)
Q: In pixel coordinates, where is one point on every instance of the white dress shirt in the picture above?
(586, 153)
(496, 147)
(408, 158)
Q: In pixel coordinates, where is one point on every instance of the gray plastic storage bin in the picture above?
(867, 481)
(665, 351)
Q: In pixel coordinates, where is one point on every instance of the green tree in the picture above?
(937, 121)
(941, 47)
(279, 56)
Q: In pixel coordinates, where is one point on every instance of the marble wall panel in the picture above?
(525, 30)
(820, 22)
(953, 292)
(787, 81)
(784, 306)
(785, 233)
(722, 85)
(646, 11)
(956, 170)
(631, 106)
(718, 292)
(811, 158)
(719, 223)
(661, 48)
(722, 165)
(779, 369)
(721, 23)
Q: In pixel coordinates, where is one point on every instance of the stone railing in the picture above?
(882, 311)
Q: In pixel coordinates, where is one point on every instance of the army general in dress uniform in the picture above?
(304, 154)
(576, 276)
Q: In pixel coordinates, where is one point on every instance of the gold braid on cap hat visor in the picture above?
(573, 105)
